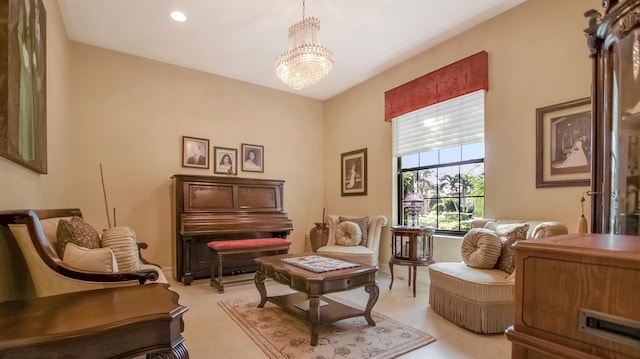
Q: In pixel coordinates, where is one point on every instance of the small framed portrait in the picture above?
(252, 158)
(226, 160)
(563, 144)
(354, 173)
(195, 152)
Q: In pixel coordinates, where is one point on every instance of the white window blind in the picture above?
(454, 122)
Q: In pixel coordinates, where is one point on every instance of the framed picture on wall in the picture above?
(225, 160)
(252, 158)
(354, 173)
(23, 122)
(195, 152)
(563, 144)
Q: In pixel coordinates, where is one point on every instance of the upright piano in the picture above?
(212, 208)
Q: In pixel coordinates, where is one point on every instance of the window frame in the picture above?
(400, 190)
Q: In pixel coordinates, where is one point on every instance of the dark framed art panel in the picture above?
(252, 158)
(225, 160)
(195, 152)
(563, 144)
(353, 172)
(23, 103)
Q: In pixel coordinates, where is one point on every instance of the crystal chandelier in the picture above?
(306, 62)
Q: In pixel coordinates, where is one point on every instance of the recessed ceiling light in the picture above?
(179, 16)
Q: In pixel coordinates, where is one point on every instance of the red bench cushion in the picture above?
(248, 243)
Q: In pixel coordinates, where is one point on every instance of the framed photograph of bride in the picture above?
(353, 170)
(563, 144)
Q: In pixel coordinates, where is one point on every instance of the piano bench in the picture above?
(258, 246)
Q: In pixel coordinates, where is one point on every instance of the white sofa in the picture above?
(359, 254)
(481, 300)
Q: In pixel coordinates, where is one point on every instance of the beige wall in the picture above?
(129, 114)
(537, 57)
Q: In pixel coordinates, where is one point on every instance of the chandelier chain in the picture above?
(303, 10)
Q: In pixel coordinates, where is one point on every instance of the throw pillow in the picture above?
(92, 260)
(122, 241)
(348, 234)
(481, 248)
(509, 234)
(363, 222)
(76, 231)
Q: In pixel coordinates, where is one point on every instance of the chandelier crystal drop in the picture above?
(306, 62)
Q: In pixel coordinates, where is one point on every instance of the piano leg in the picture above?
(187, 276)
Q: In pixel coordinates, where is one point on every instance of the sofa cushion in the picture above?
(92, 260)
(537, 228)
(348, 234)
(547, 229)
(354, 254)
(76, 231)
(363, 222)
(481, 248)
(479, 285)
(509, 234)
(122, 241)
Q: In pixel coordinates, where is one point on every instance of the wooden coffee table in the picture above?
(312, 286)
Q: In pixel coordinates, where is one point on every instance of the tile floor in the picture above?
(210, 333)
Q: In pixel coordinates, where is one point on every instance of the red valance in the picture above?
(457, 79)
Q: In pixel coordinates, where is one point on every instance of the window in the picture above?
(440, 154)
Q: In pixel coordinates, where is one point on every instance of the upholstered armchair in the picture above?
(481, 297)
(35, 233)
(366, 251)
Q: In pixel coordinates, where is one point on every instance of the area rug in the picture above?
(282, 335)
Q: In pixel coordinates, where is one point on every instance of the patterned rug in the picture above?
(281, 335)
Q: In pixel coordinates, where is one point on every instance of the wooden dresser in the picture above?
(209, 208)
(577, 296)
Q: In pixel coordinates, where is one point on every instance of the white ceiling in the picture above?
(241, 39)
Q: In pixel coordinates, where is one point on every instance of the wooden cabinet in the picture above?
(413, 247)
(576, 296)
(209, 208)
(413, 244)
(614, 44)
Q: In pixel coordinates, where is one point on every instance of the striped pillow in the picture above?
(122, 241)
(481, 248)
(92, 260)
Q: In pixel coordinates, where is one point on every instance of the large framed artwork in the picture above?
(195, 152)
(563, 144)
(353, 172)
(23, 104)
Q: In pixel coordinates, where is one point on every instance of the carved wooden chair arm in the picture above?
(141, 246)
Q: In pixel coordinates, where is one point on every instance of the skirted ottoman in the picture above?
(480, 300)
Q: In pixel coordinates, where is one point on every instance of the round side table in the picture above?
(412, 247)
